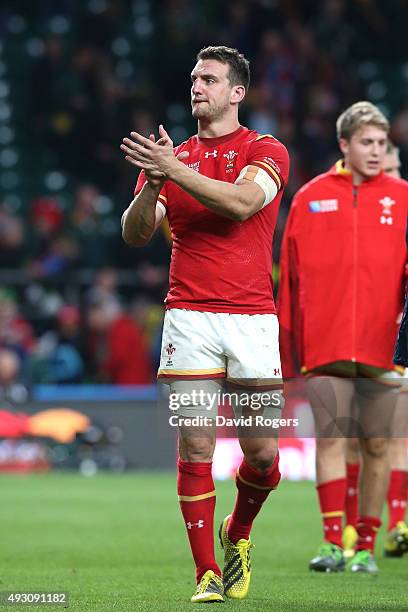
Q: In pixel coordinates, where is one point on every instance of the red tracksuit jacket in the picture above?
(342, 271)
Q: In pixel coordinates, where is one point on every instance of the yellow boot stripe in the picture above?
(251, 484)
(193, 498)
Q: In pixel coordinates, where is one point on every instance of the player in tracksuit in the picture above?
(341, 290)
(396, 542)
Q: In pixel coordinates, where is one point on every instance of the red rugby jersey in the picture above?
(217, 264)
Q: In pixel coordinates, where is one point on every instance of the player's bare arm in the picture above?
(143, 216)
(237, 201)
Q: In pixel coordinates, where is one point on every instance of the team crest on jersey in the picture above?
(170, 349)
(323, 206)
(195, 166)
(386, 217)
(230, 157)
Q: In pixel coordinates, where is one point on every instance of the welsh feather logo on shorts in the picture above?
(323, 206)
(170, 349)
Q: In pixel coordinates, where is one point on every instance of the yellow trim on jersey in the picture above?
(258, 382)
(166, 230)
(193, 372)
(193, 498)
(330, 514)
(251, 484)
(340, 169)
(268, 167)
(163, 197)
(264, 136)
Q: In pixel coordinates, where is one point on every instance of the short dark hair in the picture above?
(238, 64)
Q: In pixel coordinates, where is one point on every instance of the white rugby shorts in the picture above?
(242, 348)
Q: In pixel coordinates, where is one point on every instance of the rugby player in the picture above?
(220, 191)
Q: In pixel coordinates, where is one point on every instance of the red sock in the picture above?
(253, 489)
(397, 497)
(352, 474)
(367, 528)
(332, 495)
(196, 492)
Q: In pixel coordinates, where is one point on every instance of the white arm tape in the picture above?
(261, 178)
(162, 207)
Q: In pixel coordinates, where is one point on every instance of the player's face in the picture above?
(392, 164)
(365, 151)
(211, 91)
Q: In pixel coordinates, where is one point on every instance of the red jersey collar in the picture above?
(211, 142)
(338, 169)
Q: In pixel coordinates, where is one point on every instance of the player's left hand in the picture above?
(151, 156)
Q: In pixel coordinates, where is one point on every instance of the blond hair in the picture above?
(359, 115)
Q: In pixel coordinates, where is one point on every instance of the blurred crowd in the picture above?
(76, 305)
(100, 340)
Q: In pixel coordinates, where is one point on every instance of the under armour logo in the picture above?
(199, 524)
(208, 154)
(276, 372)
(386, 220)
(397, 503)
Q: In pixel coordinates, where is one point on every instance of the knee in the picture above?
(398, 445)
(375, 448)
(332, 446)
(196, 450)
(261, 458)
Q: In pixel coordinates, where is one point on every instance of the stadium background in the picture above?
(75, 77)
(77, 307)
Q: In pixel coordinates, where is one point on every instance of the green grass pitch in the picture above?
(118, 543)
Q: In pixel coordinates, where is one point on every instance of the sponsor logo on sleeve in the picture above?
(195, 166)
(323, 206)
(272, 164)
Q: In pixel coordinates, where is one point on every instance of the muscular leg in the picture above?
(195, 483)
(399, 452)
(353, 451)
(258, 473)
(398, 445)
(331, 400)
(374, 476)
(398, 484)
(352, 475)
(377, 405)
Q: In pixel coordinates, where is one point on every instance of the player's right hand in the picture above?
(156, 179)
